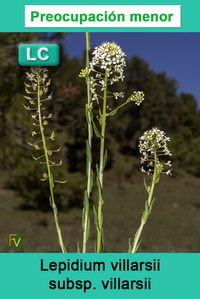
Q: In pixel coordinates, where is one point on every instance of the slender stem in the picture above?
(89, 149)
(87, 60)
(137, 238)
(103, 127)
(119, 107)
(101, 168)
(136, 242)
(50, 176)
(89, 167)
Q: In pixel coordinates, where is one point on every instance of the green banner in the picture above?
(13, 16)
(94, 275)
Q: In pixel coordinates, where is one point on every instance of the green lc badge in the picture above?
(38, 55)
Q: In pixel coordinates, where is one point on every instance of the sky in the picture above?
(176, 54)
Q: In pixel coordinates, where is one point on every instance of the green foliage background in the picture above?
(176, 114)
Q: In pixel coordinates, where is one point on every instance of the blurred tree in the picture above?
(161, 106)
(185, 141)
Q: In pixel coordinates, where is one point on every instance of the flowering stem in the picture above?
(101, 169)
(152, 146)
(136, 97)
(50, 176)
(106, 68)
(89, 172)
(148, 205)
(103, 127)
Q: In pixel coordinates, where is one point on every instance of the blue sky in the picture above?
(177, 54)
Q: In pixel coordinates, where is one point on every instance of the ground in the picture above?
(173, 226)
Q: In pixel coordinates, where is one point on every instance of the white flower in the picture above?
(169, 172)
(38, 75)
(106, 68)
(153, 143)
(137, 97)
(118, 95)
(109, 57)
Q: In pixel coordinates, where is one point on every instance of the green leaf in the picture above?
(26, 107)
(87, 114)
(26, 89)
(51, 181)
(52, 137)
(83, 218)
(129, 245)
(146, 187)
(86, 202)
(91, 180)
(50, 201)
(27, 98)
(145, 213)
(27, 85)
(138, 246)
(99, 186)
(88, 230)
(60, 182)
(96, 131)
(95, 218)
(88, 155)
(113, 112)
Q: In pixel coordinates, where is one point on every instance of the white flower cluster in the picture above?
(107, 67)
(137, 97)
(118, 95)
(84, 73)
(38, 76)
(108, 62)
(109, 56)
(153, 143)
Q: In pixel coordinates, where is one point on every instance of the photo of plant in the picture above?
(98, 154)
